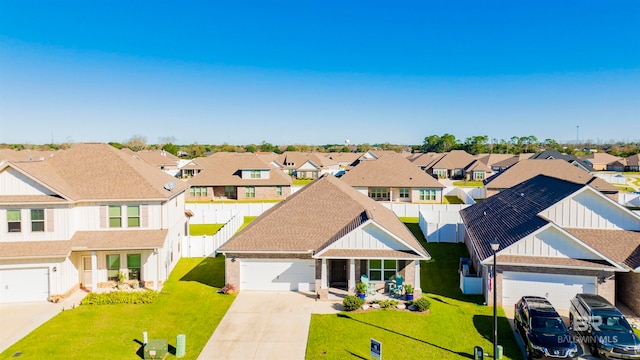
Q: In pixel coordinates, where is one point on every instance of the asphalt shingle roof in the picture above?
(224, 169)
(512, 214)
(392, 170)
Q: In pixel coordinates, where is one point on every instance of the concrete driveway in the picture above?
(19, 319)
(263, 325)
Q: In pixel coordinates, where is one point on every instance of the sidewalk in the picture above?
(20, 319)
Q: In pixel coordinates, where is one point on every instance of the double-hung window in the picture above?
(278, 190)
(229, 192)
(115, 216)
(113, 266)
(37, 220)
(198, 191)
(255, 174)
(404, 193)
(378, 193)
(14, 221)
(427, 194)
(133, 264)
(382, 269)
(250, 192)
(133, 216)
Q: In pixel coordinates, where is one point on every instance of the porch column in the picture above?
(323, 274)
(94, 271)
(157, 279)
(417, 276)
(352, 275)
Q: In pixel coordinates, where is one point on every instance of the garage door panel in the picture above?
(277, 275)
(24, 285)
(558, 288)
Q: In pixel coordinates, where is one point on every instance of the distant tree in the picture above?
(345, 149)
(267, 147)
(292, 148)
(116, 145)
(476, 144)
(170, 148)
(250, 148)
(195, 150)
(136, 143)
(363, 148)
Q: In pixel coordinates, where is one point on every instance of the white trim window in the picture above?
(250, 192)
(37, 220)
(256, 174)
(404, 193)
(378, 193)
(115, 216)
(427, 194)
(113, 266)
(133, 216)
(382, 270)
(14, 221)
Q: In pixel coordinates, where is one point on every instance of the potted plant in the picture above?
(408, 292)
(361, 289)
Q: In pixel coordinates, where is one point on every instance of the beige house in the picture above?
(392, 177)
(237, 176)
(83, 217)
(323, 237)
(556, 238)
(599, 161)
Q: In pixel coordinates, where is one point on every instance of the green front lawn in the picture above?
(451, 199)
(204, 229)
(302, 182)
(455, 325)
(188, 304)
(468, 183)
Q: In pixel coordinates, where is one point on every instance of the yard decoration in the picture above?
(408, 292)
(361, 289)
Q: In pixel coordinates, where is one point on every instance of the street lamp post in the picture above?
(495, 245)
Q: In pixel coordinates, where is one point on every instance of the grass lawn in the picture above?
(204, 229)
(302, 182)
(188, 304)
(625, 188)
(468, 183)
(247, 221)
(450, 199)
(455, 325)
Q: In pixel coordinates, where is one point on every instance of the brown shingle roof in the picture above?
(156, 157)
(31, 249)
(224, 169)
(118, 239)
(454, 159)
(622, 246)
(560, 169)
(425, 160)
(390, 170)
(313, 217)
(30, 199)
(600, 158)
(633, 160)
(100, 172)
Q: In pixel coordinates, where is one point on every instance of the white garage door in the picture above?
(21, 285)
(277, 275)
(559, 289)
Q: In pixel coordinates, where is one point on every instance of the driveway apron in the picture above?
(263, 325)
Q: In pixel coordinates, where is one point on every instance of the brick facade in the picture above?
(628, 290)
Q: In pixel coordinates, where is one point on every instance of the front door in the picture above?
(86, 271)
(338, 277)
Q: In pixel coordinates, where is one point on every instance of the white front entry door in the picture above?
(86, 271)
(262, 274)
(558, 288)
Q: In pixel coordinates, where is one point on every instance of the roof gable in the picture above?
(389, 170)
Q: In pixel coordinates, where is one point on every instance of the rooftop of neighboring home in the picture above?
(526, 169)
(511, 160)
(225, 169)
(159, 158)
(477, 165)
(555, 154)
(295, 159)
(26, 155)
(425, 160)
(316, 216)
(390, 170)
(600, 158)
(97, 171)
(454, 159)
(633, 160)
(490, 159)
(343, 158)
(513, 214)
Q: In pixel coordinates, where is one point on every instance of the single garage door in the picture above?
(277, 275)
(21, 285)
(559, 289)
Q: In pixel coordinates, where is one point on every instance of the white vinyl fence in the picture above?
(617, 179)
(201, 246)
(220, 213)
(442, 224)
(629, 199)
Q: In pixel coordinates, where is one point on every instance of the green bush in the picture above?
(352, 302)
(385, 303)
(120, 297)
(421, 304)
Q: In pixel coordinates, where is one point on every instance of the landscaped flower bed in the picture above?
(120, 297)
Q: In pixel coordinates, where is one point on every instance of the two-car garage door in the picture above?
(559, 289)
(290, 274)
(22, 285)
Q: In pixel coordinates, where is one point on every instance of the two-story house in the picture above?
(84, 218)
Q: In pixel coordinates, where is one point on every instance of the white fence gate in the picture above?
(442, 223)
(201, 246)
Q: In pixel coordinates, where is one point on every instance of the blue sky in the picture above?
(318, 72)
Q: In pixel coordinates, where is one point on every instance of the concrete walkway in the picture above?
(266, 325)
(19, 319)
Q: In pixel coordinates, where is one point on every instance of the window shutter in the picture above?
(49, 217)
(144, 216)
(103, 217)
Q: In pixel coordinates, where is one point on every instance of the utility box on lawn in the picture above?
(156, 349)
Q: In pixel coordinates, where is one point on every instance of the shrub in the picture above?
(361, 288)
(352, 302)
(408, 289)
(421, 304)
(385, 303)
(120, 297)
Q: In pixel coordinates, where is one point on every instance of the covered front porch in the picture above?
(337, 277)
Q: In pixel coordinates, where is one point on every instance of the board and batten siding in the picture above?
(369, 236)
(54, 223)
(550, 242)
(588, 210)
(13, 182)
